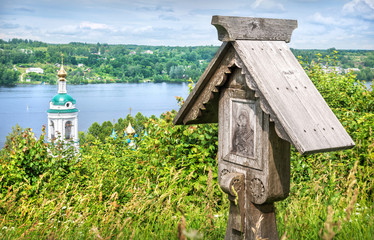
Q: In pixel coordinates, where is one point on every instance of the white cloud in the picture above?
(95, 26)
(142, 29)
(322, 24)
(267, 5)
(360, 8)
(318, 18)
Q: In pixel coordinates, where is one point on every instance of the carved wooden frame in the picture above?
(255, 161)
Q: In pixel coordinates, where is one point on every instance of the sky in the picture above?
(322, 24)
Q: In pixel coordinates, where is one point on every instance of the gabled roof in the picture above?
(286, 93)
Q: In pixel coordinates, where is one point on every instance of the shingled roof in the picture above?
(286, 93)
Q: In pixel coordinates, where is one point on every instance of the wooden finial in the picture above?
(246, 28)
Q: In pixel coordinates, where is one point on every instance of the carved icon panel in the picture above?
(242, 139)
(243, 136)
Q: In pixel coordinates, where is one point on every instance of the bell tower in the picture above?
(62, 113)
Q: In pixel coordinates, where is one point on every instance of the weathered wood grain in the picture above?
(296, 103)
(247, 28)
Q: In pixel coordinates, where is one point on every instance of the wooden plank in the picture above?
(299, 107)
(247, 28)
(205, 106)
(200, 85)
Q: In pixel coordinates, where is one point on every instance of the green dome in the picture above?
(62, 98)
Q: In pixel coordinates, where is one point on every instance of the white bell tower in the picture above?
(62, 114)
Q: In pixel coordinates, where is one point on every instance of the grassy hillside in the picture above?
(111, 190)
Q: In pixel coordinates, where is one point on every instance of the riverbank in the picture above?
(369, 85)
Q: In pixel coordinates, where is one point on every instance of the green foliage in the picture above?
(8, 76)
(332, 193)
(113, 190)
(109, 63)
(25, 159)
(133, 63)
(16, 131)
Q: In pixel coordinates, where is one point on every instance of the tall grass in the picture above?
(166, 187)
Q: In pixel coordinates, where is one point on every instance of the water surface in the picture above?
(27, 105)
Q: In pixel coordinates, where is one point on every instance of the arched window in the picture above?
(52, 130)
(68, 126)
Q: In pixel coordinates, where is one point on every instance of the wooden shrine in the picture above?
(263, 101)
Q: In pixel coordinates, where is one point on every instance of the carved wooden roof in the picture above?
(286, 93)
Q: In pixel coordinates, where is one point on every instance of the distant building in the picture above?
(80, 65)
(329, 69)
(351, 69)
(62, 113)
(27, 51)
(132, 53)
(148, 52)
(35, 70)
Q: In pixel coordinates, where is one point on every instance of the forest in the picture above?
(164, 186)
(106, 63)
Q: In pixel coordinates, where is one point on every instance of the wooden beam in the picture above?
(247, 28)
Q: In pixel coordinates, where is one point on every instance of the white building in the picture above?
(35, 70)
(62, 114)
(351, 69)
(148, 52)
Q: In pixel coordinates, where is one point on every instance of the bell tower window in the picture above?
(68, 126)
(52, 130)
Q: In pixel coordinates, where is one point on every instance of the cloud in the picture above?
(164, 9)
(95, 26)
(82, 28)
(322, 24)
(9, 25)
(168, 17)
(268, 5)
(332, 29)
(360, 8)
(318, 18)
(141, 30)
(23, 9)
(155, 8)
(65, 30)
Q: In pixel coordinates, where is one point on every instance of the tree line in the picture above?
(103, 63)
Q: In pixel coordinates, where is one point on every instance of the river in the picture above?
(27, 105)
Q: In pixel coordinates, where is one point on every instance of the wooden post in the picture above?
(250, 147)
(263, 102)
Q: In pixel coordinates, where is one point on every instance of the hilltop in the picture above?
(105, 63)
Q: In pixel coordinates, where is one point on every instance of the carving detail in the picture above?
(224, 172)
(257, 188)
(237, 185)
